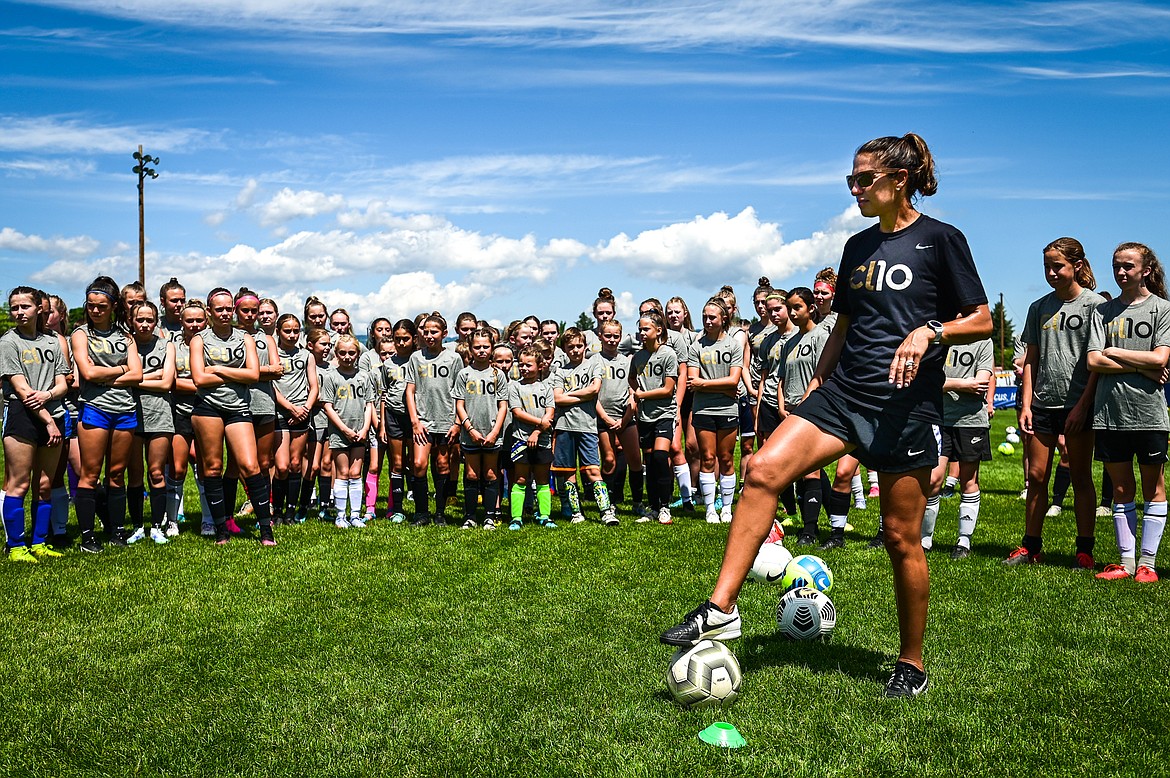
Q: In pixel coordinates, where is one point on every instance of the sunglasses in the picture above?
(865, 179)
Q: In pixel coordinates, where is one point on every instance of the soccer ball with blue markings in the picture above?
(808, 570)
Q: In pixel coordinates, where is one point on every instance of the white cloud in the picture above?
(69, 135)
(247, 195)
(78, 246)
(287, 205)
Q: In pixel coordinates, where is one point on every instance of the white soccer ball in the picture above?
(806, 613)
(770, 562)
(705, 675)
(1013, 438)
(1010, 431)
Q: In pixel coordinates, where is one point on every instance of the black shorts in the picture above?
(688, 403)
(183, 426)
(715, 423)
(747, 418)
(886, 441)
(527, 455)
(440, 439)
(19, 422)
(229, 417)
(1049, 421)
(398, 426)
(769, 416)
(283, 422)
(649, 431)
(966, 444)
(1147, 446)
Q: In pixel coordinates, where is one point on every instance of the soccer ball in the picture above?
(1010, 431)
(705, 675)
(1005, 448)
(771, 560)
(805, 613)
(808, 570)
(1013, 438)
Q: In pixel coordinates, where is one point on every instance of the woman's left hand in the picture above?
(904, 367)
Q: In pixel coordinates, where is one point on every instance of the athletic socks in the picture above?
(216, 507)
(1061, 480)
(1125, 523)
(306, 491)
(1153, 523)
(839, 504)
(42, 515)
(85, 503)
(397, 493)
(158, 506)
(231, 492)
(260, 493)
(422, 498)
(951, 483)
(1033, 544)
(516, 503)
(371, 491)
(788, 499)
(707, 489)
(14, 520)
(873, 477)
(543, 500)
(471, 497)
(340, 495)
(491, 497)
(60, 512)
(1106, 488)
(279, 496)
(727, 489)
(856, 487)
(174, 498)
(682, 474)
(638, 479)
(355, 497)
(116, 508)
(808, 494)
(324, 489)
(441, 488)
(134, 505)
(661, 479)
(208, 518)
(968, 515)
(929, 519)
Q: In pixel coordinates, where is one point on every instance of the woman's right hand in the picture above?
(1026, 420)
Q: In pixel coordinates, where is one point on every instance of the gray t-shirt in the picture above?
(154, 408)
(963, 409)
(756, 333)
(768, 360)
(261, 399)
(615, 384)
(184, 403)
(107, 349)
(481, 391)
(581, 417)
(433, 376)
(681, 343)
(293, 384)
(319, 422)
(349, 393)
(592, 344)
(714, 360)
(38, 359)
(534, 399)
(1130, 401)
(798, 363)
(1060, 330)
(172, 331)
(393, 373)
(371, 362)
(651, 371)
(230, 397)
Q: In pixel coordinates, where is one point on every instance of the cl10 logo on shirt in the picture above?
(615, 372)
(431, 370)
(960, 358)
(37, 356)
(1064, 321)
(106, 346)
(713, 357)
(152, 362)
(804, 350)
(657, 370)
(1125, 327)
(480, 387)
(350, 391)
(876, 276)
(224, 355)
(291, 364)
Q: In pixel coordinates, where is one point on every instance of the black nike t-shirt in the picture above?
(888, 284)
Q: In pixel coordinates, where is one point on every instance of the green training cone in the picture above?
(723, 735)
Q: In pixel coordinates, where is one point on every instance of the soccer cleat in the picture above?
(116, 538)
(222, 536)
(776, 535)
(807, 538)
(546, 523)
(207, 529)
(712, 516)
(878, 540)
(397, 518)
(172, 529)
(1113, 573)
(439, 520)
(1021, 556)
(1053, 511)
(1145, 575)
(1084, 561)
(577, 518)
(907, 681)
(301, 516)
(489, 523)
(470, 523)
(245, 510)
(860, 504)
(357, 522)
(874, 491)
(664, 516)
(41, 551)
(1104, 512)
(516, 524)
(90, 543)
(960, 552)
(836, 540)
(370, 515)
(1024, 496)
(686, 505)
(21, 554)
(232, 527)
(705, 622)
(266, 538)
(341, 522)
(725, 515)
(609, 517)
(420, 520)
(137, 535)
(157, 535)
(947, 493)
(60, 541)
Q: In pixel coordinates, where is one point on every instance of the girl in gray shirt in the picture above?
(156, 423)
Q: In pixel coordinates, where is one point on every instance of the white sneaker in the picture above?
(642, 518)
(1104, 512)
(1024, 494)
(341, 523)
(207, 529)
(664, 516)
(172, 529)
(157, 535)
(712, 516)
(859, 503)
(609, 517)
(1053, 511)
(725, 514)
(357, 523)
(577, 518)
(136, 536)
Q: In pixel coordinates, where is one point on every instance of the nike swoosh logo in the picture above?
(920, 247)
(976, 440)
(915, 453)
(1154, 454)
(774, 577)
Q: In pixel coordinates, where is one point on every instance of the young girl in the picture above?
(532, 406)
(296, 394)
(430, 379)
(396, 426)
(575, 389)
(604, 309)
(266, 316)
(1129, 344)
(767, 363)
(379, 346)
(316, 314)
(1058, 397)
(652, 378)
(172, 297)
(261, 398)
(56, 322)
(481, 405)
(318, 465)
(714, 367)
(194, 320)
(617, 430)
(684, 448)
(33, 370)
(348, 396)
(110, 368)
(156, 422)
(224, 365)
(749, 377)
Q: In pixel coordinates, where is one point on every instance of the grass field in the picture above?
(421, 652)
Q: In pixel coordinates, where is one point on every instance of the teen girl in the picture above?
(319, 465)
(652, 379)
(767, 362)
(617, 430)
(172, 297)
(266, 315)
(430, 379)
(1058, 397)
(604, 309)
(396, 428)
(379, 346)
(109, 367)
(156, 426)
(55, 321)
(185, 393)
(348, 396)
(877, 390)
(532, 405)
(296, 392)
(315, 314)
(340, 323)
(33, 368)
(575, 390)
(684, 448)
(714, 368)
(1129, 345)
(550, 333)
(481, 407)
(750, 377)
(465, 324)
(224, 365)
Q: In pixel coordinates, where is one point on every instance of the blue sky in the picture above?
(512, 158)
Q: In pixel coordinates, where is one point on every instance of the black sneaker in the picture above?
(836, 540)
(705, 622)
(420, 520)
(960, 552)
(947, 493)
(879, 540)
(439, 521)
(807, 538)
(60, 542)
(907, 681)
(90, 544)
(117, 538)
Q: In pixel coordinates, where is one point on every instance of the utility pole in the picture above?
(1001, 312)
(142, 171)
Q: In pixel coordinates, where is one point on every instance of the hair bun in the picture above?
(605, 292)
(764, 281)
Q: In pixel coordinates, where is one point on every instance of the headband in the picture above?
(95, 290)
(243, 297)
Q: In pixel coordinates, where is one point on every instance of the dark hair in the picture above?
(143, 304)
(604, 295)
(436, 318)
(217, 291)
(659, 321)
(134, 286)
(410, 327)
(286, 317)
(107, 286)
(909, 153)
(466, 316)
(653, 301)
(246, 292)
(553, 322)
(1072, 250)
(764, 288)
(1156, 280)
(806, 296)
(312, 301)
(371, 340)
(38, 298)
(170, 286)
(724, 309)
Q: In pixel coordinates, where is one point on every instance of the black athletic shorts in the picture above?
(284, 421)
(1147, 446)
(713, 423)
(966, 444)
(398, 425)
(747, 417)
(888, 441)
(648, 431)
(233, 417)
(769, 419)
(183, 426)
(19, 422)
(1049, 421)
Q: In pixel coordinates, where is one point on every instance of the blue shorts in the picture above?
(573, 448)
(747, 417)
(92, 417)
(70, 428)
